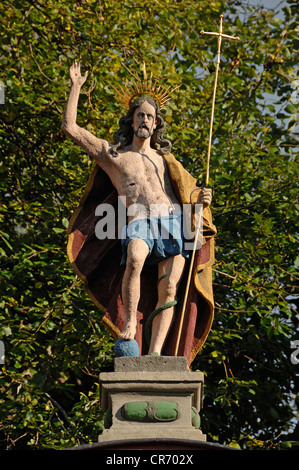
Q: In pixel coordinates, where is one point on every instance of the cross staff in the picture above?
(220, 35)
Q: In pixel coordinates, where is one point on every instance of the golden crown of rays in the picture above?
(147, 86)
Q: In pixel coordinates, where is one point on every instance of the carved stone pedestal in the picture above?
(151, 397)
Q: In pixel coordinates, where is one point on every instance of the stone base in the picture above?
(151, 397)
(157, 444)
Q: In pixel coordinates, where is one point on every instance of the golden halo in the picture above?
(126, 94)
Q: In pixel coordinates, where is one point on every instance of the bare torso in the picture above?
(143, 179)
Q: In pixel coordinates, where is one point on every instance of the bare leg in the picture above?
(136, 254)
(167, 289)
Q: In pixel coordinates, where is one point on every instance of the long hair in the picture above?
(124, 136)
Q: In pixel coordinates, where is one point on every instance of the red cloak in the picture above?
(97, 263)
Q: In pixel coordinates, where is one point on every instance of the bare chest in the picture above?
(141, 169)
(145, 164)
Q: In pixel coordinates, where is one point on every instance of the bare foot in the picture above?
(129, 330)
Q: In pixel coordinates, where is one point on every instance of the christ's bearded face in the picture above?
(144, 121)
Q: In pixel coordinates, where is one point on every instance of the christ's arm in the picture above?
(95, 147)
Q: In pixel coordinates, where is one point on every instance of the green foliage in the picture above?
(55, 344)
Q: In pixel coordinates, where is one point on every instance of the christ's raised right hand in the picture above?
(75, 74)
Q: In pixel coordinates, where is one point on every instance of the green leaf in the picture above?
(234, 444)
(65, 222)
(286, 445)
(292, 109)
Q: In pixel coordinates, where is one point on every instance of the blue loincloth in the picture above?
(163, 235)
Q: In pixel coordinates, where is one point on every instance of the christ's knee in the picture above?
(136, 255)
(134, 265)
